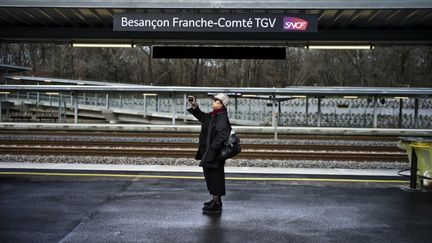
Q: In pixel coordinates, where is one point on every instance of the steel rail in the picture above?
(308, 147)
(190, 153)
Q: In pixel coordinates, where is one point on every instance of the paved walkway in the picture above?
(86, 208)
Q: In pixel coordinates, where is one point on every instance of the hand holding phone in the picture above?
(192, 101)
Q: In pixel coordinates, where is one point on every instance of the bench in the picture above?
(21, 116)
(47, 116)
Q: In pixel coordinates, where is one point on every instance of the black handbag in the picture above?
(231, 147)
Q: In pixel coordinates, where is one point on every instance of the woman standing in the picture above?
(215, 129)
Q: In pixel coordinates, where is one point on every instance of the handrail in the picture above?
(311, 91)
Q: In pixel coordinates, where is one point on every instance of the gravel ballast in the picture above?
(344, 164)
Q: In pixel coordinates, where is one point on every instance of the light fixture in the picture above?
(16, 78)
(248, 96)
(47, 81)
(4, 92)
(336, 47)
(101, 45)
(150, 94)
(299, 96)
(52, 93)
(350, 97)
(401, 97)
(80, 83)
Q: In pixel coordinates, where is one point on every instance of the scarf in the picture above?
(216, 111)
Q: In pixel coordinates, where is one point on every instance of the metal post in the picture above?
(1, 114)
(50, 98)
(173, 108)
(96, 99)
(319, 112)
(37, 102)
(60, 108)
(400, 112)
(145, 104)
(75, 99)
(274, 122)
(279, 112)
(64, 113)
(375, 117)
(416, 108)
(84, 97)
(185, 107)
(121, 101)
(413, 181)
(107, 101)
(307, 111)
(235, 106)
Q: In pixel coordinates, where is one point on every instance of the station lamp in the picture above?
(340, 47)
(101, 45)
(248, 96)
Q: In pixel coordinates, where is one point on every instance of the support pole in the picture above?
(279, 112)
(319, 112)
(235, 106)
(50, 100)
(375, 117)
(37, 102)
(307, 112)
(64, 114)
(274, 121)
(107, 105)
(60, 108)
(75, 102)
(416, 108)
(413, 181)
(145, 104)
(173, 107)
(400, 113)
(185, 107)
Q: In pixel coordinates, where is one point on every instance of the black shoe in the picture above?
(207, 204)
(210, 202)
(214, 207)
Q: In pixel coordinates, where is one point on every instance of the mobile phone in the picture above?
(191, 98)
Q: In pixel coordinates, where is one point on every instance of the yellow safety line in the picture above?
(200, 177)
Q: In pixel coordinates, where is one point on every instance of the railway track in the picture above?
(188, 150)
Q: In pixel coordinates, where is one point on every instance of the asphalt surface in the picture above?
(35, 208)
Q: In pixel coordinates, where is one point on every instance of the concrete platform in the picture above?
(90, 208)
(196, 129)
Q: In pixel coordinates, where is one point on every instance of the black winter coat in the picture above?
(214, 131)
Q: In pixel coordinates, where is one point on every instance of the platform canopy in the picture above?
(385, 23)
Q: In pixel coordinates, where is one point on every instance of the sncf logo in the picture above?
(291, 23)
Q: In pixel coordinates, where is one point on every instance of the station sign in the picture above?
(215, 22)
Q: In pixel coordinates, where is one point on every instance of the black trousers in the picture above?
(215, 180)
